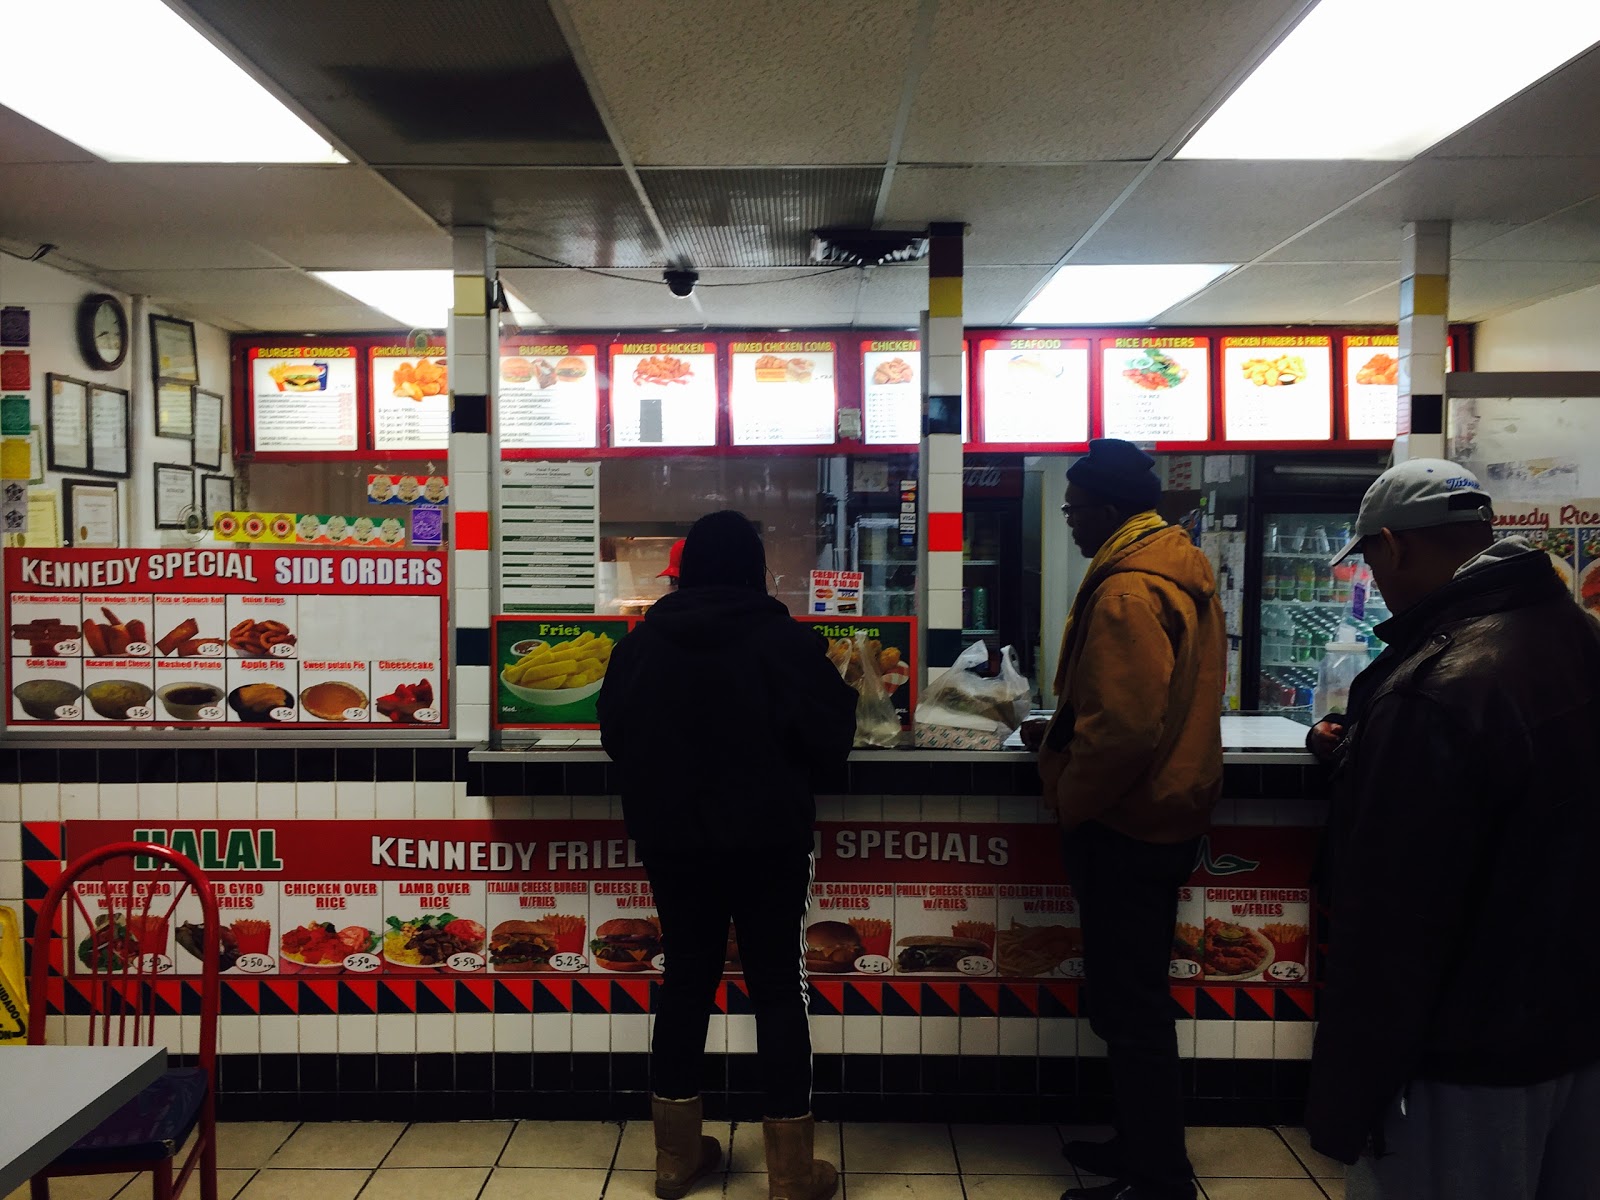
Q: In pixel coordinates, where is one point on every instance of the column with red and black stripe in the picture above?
(473, 344)
(940, 470)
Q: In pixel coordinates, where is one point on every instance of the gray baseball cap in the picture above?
(1420, 494)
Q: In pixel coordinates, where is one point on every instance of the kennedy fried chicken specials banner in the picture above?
(462, 897)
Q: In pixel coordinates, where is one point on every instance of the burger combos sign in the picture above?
(464, 897)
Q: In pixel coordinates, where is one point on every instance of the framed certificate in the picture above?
(174, 409)
(92, 516)
(207, 429)
(216, 496)
(173, 353)
(67, 415)
(174, 495)
(108, 431)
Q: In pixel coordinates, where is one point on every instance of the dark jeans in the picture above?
(1127, 893)
(764, 894)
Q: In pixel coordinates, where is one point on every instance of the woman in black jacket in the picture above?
(722, 713)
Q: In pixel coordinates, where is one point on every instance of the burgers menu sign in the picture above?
(303, 398)
(549, 396)
(466, 897)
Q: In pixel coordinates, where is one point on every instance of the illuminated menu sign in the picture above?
(1372, 387)
(303, 398)
(1277, 389)
(891, 392)
(1035, 390)
(782, 393)
(1156, 389)
(549, 396)
(410, 398)
(663, 394)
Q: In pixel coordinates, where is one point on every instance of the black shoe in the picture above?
(1096, 1158)
(1117, 1190)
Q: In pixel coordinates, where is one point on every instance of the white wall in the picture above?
(1557, 335)
(52, 296)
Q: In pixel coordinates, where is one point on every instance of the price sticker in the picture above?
(211, 712)
(155, 964)
(355, 714)
(427, 716)
(975, 964)
(1287, 972)
(255, 964)
(659, 962)
(465, 962)
(138, 649)
(69, 712)
(362, 964)
(874, 964)
(282, 714)
(1183, 968)
(66, 648)
(141, 712)
(1072, 968)
(210, 650)
(281, 650)
(567, 962)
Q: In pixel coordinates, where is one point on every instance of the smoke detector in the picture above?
(868, 247)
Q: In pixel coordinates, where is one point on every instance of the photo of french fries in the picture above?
(562, 666)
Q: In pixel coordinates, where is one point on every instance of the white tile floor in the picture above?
(549, 1160)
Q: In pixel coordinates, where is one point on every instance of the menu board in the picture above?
(549, 397)
(782, 393)
(303, 398)
(549, 536)
(664, 394)
(550, 669)
(226, 638)
(1156, 389)
(891, 392)
(410, 398)
(1277, 389)
(1372, 387)
(1035, 391)
(918, 899)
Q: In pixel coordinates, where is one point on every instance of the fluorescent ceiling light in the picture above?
(1102, 295)
(176, 98)
(417, 299)
(1383, 80)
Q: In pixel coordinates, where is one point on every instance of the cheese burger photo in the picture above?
(832, 948)
(626, 944)
(927, 953)
(521, 946)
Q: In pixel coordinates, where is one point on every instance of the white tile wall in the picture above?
(358, 1033)
(513, 1033)
(827, 1034)
(1252, 1039)
(1019, 1037)
(436, 1033)
(10, 802)
(1058, 1037)
(902, 1035)
(863, 1034)
(941, 1035)
(435, 800)
(320, 1034)
(80, 801)
(1090, 1044)
(236, 801)
(630, 1033)
(397, 1033)
(591, 1033)
(1292, 1039)
(197, 800)
(279, 1035)
(552, 1033)
(474, 1033)
(1213, 1039)
(741, 1033)
(355, 799)
(274, 801)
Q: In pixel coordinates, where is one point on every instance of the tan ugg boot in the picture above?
(684, 1155)
(792, 1172)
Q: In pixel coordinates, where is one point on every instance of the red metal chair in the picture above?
(147, 1132)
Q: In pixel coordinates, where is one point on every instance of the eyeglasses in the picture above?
(1067, 510)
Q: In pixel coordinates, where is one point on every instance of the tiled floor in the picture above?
(545, 1160)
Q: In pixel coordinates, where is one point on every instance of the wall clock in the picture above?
(102, 331)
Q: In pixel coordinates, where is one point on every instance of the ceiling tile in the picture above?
(763, 82)
(274, 286)
(1541, 120)
(1280, 294)
(262, 202)
(1014, 215)
(1019, 81)
(1482, 289)
(298, 318)
(21, 141)
(1569, 236)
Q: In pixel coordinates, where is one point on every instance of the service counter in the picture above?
(310, 838)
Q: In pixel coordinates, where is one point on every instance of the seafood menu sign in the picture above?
(223, 639)
(912, 899)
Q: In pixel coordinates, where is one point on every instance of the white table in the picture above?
(50, 1096)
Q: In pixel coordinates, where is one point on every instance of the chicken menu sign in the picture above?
(226, 638)
(915, 899)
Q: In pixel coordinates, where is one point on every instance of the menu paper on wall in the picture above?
(1277, 389)
(1156, 389)
(782, 393)
(891, 392)
(1035, 390)
(1372, 387)
(410, 398)
(664, 394)
(215, 638)
(549, 536)
(303, 398)
(549, 396)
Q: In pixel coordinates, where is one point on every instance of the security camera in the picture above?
(681, 281)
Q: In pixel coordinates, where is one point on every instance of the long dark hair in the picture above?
(723, 549)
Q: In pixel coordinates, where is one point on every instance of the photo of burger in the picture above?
(832, 948)
(626, 944)
(521, 946)
(515, 370)
(933, 953)
(571, 367)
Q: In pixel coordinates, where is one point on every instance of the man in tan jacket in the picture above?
(1132, 763)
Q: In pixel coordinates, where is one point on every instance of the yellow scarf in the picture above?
(1134, 528)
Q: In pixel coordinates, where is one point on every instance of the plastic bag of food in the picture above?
(861, 664)
(975, 695)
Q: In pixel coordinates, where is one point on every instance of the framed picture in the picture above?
(92, 514)
(35, 455)
(174, 495)
(67, 419)
(173, 354)
(216, 496)
(174, 409)
(109, 420)
(207, 429)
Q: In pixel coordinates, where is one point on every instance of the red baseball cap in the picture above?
(674, 561)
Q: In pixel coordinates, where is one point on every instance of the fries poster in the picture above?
(548, 670)
(912, 899)
(226, 638)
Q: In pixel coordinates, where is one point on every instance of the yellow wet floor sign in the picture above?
(13, 982)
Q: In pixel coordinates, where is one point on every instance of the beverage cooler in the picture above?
(1302, 512)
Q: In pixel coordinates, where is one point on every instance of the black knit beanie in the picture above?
(723, 549)
(1119, 473)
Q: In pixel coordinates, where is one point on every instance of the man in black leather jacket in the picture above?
(1458, 1047)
